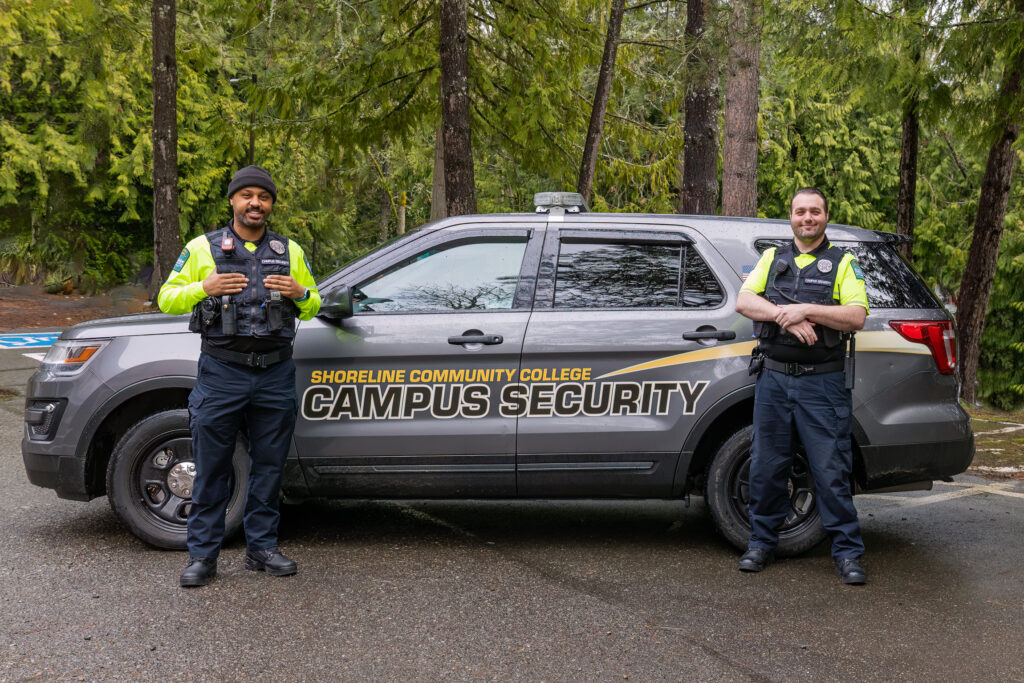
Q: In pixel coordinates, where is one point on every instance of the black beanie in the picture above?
(252, 176)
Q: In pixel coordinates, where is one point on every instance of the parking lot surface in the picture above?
(549, 591)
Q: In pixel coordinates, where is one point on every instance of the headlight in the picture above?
(69, 357)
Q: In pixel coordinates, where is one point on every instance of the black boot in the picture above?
(851, 571)
(755, 559)
(271, 561)
(199, 571)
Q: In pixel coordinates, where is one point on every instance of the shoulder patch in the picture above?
(857, 272)
(180, 263)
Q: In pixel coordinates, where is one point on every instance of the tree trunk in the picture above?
(976, 286)
(460, 194)
(166, 233)
(438, 206)
(585, 185)
(739, 151)
(906, 200)
(384, 220)
(699, 193)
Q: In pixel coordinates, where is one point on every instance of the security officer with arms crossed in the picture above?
(805, 299)
(244, 286)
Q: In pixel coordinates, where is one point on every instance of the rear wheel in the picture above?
(728, 497)
(150, 480)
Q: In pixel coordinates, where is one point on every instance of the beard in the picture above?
(809, 232)
(256, 222)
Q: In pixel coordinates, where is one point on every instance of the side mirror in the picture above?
(337, 304)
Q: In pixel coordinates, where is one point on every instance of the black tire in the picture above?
(149, 495)
(727, 496)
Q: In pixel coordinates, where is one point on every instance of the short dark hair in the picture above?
(809, 190)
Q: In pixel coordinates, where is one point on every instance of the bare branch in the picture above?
(932, 27)
(408, 96)
(653, 2)
(956, 159)
(661, 46)
(337, 110)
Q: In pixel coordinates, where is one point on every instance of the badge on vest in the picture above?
(276, 246)
(824, 266)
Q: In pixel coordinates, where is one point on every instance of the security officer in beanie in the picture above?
(244, 285)
(805, 299)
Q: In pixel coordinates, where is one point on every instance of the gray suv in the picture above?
(558, 354)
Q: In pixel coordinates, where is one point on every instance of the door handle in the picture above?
(476, 339)
(720, 335)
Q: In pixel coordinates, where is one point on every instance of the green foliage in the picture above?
(848, 151)
(76, 133)
(836, 83)
(95, 261)
(1001, 372)
(342, 102)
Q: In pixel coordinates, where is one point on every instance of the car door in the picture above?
(610, 385)
(399, 399)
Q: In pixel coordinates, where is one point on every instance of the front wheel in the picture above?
(150, 480)
(728, 495)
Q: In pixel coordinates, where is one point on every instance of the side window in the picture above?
(700, 288)
(889, 281)
(471, 275)
(596, 274)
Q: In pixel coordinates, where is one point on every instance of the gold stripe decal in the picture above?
(713, 353)
(882, 341)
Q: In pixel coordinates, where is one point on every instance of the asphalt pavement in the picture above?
(545, 591)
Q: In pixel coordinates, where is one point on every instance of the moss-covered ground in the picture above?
(999, 439)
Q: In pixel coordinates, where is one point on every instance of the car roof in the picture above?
(742, 228)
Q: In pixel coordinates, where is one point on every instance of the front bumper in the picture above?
(63, 473)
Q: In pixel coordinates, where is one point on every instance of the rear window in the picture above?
(890, 281)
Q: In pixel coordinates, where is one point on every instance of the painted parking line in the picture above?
(27, 341)
(967, 490)
(35, 356)
(1005, 430)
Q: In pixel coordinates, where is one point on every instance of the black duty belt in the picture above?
(252, 360)
(797, 369)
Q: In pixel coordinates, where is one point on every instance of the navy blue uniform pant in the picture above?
(817, 408)
(227, 398)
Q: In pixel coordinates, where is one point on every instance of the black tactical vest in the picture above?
(812, 284)
(257, 314)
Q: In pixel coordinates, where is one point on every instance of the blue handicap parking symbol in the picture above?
(27, 341)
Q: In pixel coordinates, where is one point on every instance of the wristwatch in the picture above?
(305, 295)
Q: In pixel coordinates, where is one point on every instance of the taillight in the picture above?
(937, 335)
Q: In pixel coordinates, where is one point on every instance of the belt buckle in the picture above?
(795, 369)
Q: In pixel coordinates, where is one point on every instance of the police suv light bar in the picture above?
(571, 202)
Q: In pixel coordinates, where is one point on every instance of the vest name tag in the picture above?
(815, 281)
(273, 262)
